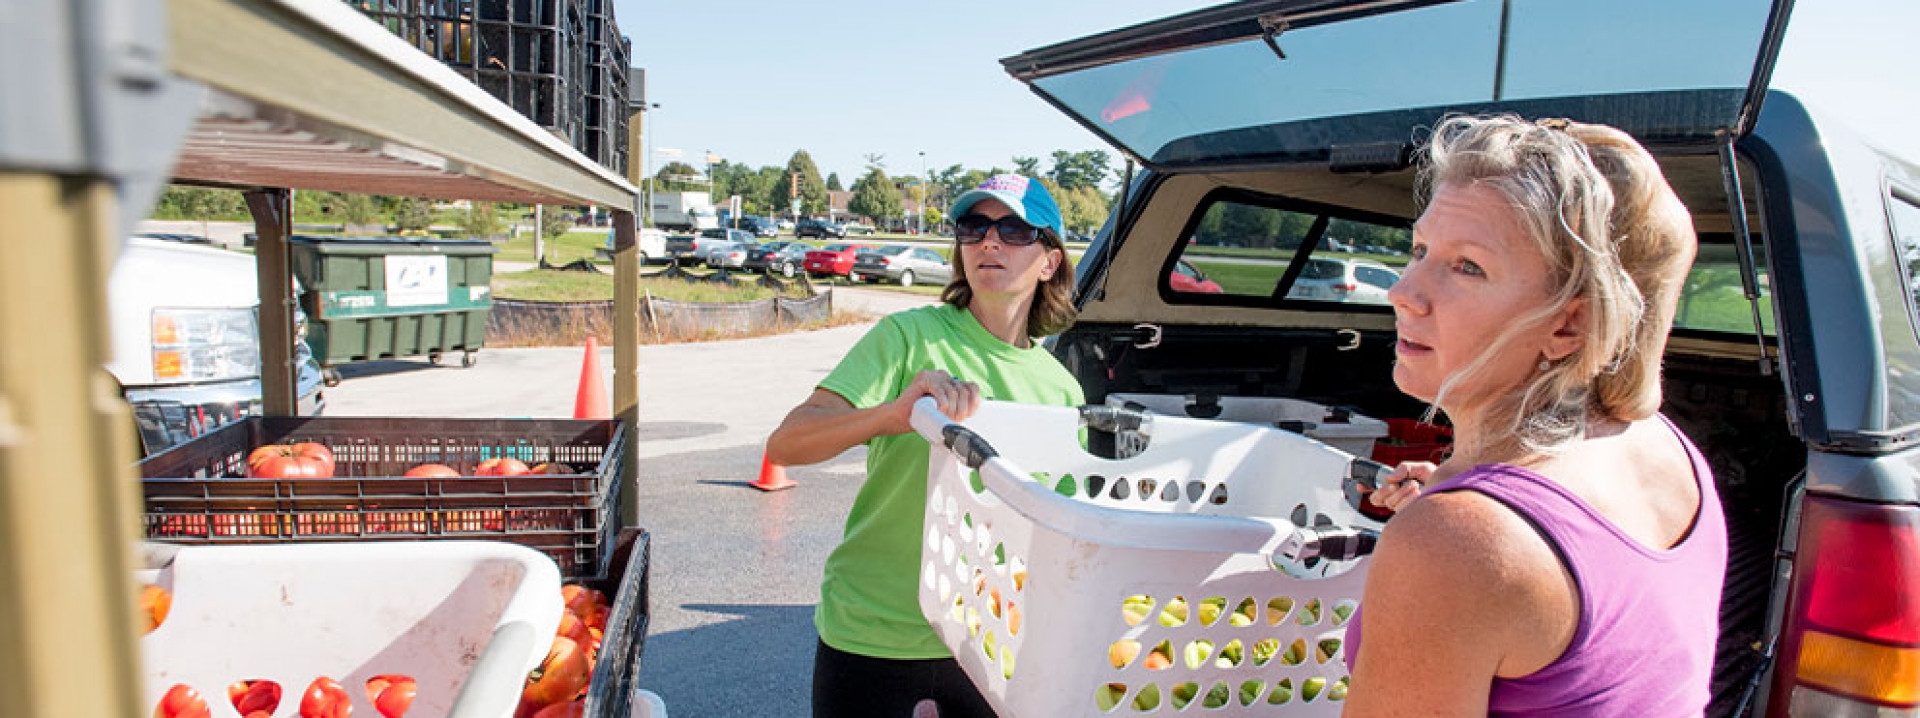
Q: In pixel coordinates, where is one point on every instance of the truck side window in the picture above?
(1905, 213)
(1712, 298)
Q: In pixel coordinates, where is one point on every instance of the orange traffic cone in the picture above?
(591, 401)
(773, 477)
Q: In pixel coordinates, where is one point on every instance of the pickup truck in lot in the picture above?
(186, 340)
(1268, 127)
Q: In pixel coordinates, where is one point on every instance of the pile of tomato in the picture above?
(324, 698)
(558, 687)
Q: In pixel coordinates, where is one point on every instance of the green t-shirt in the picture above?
(869, 600)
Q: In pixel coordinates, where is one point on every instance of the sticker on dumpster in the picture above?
(414, 281)
(475, 294)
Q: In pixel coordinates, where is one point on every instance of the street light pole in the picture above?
(646, 161)
(926, 192)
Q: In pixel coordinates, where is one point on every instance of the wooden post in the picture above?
(272, 211)
(626, 359)
(69, 504)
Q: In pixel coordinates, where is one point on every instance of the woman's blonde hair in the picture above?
(1052, 309)
(1613, 234)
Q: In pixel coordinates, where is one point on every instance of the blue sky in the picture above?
(754, 80)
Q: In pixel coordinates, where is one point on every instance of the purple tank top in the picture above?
(1648, 620)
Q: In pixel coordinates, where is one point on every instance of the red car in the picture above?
(834, 259)
(1186, 278)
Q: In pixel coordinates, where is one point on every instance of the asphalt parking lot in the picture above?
(736, 571)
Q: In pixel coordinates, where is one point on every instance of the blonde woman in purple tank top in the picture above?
(1567, 559)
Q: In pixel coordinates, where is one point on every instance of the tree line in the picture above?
(406, 216)
(1076, 180)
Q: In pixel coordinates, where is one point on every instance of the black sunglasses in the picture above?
(972, 229)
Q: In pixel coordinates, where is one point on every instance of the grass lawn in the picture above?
(1254, 279)
(557, 286)
(577, 244)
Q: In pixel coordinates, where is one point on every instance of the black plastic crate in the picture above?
(198, 493)
(611, 692)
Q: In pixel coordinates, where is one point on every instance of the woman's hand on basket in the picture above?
(1403, 486)
(957, 399)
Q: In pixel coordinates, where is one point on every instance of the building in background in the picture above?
(562, 63)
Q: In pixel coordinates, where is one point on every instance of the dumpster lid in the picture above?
(393, 245)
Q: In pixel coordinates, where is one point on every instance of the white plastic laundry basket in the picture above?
(466, 619)
(1039, 573)
(1346, 431)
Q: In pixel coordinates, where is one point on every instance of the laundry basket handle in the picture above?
(972, 449)
(1086, 521)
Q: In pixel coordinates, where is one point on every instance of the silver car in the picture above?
(902, 263)
(1344, 280)
(732, 255)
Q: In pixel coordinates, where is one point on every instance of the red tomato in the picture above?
(299, 461)
(562, 710)
(318, 452)
(396, 698)
(572, 628)
(431, 471)
(182, 701)
(501, 467)
(561, 677)
(324, 698)
(254, 696)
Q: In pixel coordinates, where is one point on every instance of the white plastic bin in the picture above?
(466, 619)
(1349, 432)
(1027, 576)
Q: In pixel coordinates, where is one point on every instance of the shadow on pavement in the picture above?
(383, 367)
(756, 661)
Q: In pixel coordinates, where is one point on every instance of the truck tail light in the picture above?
(1852, 639)
(1345, 288)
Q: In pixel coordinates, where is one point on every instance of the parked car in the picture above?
(1187, 278)
(784, 225)
(834, 260)
(650, 242)
(186, 340)
(732, 255)
(818, 228)
(758, 226)
(901, 263)
(1344, 280)
(1794, 361)
(694, 250)
(857, 229)
(784, 256)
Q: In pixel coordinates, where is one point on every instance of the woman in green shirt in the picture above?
(1012, 285)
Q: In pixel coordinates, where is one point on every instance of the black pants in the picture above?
(847, 685)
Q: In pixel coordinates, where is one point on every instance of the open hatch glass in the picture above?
(1213, 87)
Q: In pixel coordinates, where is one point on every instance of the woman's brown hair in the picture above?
(1052, 309)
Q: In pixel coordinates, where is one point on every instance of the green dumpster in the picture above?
(384, 297)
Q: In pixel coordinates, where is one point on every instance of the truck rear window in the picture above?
(1249, 246)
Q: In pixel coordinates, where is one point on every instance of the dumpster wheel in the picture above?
(330, 376)
(433, 357)
(470, 358)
